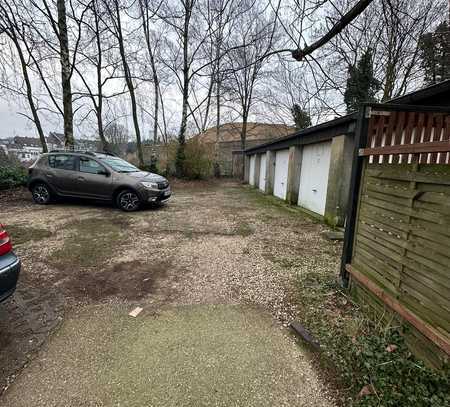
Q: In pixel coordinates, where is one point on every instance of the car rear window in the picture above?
(62, 161)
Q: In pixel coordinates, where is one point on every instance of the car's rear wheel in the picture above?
(41, 194)
(128, 200)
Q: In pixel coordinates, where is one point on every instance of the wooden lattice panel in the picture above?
(408, 137)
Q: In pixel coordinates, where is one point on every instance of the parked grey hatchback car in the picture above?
(99, 176)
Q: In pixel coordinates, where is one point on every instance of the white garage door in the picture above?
(281, 173)
(251, 178)
(262, 173)
(314, 176)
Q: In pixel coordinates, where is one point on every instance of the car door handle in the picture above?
(49, 174)
(81, 179)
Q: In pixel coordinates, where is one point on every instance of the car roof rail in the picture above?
(68, 150)
(106, 153)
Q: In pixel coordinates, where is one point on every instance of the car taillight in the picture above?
(5, 242)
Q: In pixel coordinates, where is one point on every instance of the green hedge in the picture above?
(11, 177)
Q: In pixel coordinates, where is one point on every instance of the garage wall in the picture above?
(314, 177)
(262, 173)
(281, 173)
(251, 179)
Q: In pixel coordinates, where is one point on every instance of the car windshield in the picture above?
(119, 165)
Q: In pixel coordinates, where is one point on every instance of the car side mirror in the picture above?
(104, 172)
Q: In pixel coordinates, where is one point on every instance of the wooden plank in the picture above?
(432, 334)
(418, 135)
(426, 279)
(383, 236)
(397, 220)
(439, 198)
(432, 235)
(423, 158)
(388, 256)
(428, 316)
(428, 147)
(372, 219)
(377, 277)
(439, 136)
(387, 189)
(430, 263)
(398, 200)
(400, 209)
(384, 271)
(433, 208)
(439, 229)
(408, 136)
(441, 246)
(432, 299)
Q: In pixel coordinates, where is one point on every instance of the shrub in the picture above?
(12, 176)
(198, 163)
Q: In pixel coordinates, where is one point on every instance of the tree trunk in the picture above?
(65, 75)
(216, 153)
(180, 158)
(33, 109)
(99, 105)
(130, 86)
(244, 138)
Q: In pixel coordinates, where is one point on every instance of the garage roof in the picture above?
(315, 134)
(434, 95)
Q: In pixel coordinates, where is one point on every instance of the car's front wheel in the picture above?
(41, 194)
(128, 201)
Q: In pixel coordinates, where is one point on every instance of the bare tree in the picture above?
(15, 30)
(250, 42)
(391, 29)
(147, 15)
(98, 65)
(55, 27)
(114, 9)
(117, 137)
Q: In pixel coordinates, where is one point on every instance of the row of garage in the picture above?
(310, 168)
(313, 183)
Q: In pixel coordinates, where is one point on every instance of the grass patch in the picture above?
(364, 355)
(271, 202)
(23, 234)
(89, 242)
(244, 229)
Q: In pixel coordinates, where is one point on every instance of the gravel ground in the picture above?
(212, 244)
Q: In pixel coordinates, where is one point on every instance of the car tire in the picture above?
(42, 195)
(128, 200)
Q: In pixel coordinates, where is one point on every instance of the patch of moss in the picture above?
(244, 229)
(21, 234)
(89, 242)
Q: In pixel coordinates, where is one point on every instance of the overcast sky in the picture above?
(12, 124)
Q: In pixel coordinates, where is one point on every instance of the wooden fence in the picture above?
(397, 248)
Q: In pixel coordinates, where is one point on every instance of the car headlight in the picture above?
(150, 185)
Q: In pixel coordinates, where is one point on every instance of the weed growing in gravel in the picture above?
(373, 364)
(89, 242)
(23, 234)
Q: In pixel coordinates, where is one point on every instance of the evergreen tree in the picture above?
(301, 117)
(362, 85)
(435, 54)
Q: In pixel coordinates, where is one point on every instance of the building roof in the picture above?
(26, 142)
(435, 95)
(255, 131)
(321, 132)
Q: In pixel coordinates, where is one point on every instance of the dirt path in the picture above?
(219, 262)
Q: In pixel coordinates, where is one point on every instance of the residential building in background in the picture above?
(28, 149)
